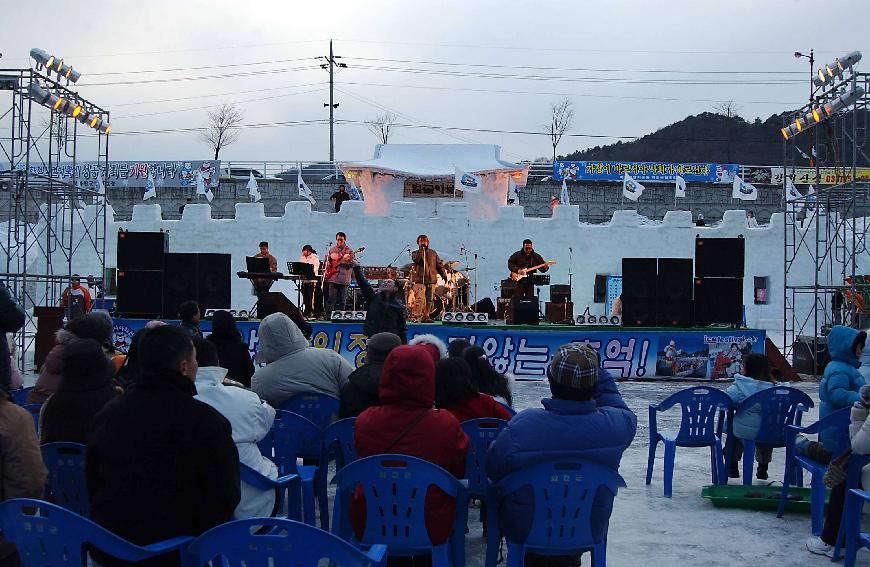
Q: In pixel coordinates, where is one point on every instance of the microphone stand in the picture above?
(402, 251)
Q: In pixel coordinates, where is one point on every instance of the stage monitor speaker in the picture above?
(804, 358)
(559, 312)
(485, 305)
(600, 291)
(639, 292)
(140, 293)
(560, 293)
(524, 311)
(213, 281)
(719, 257)
(674, 293)
(141, 250)
(179, 282)
(276, 302)
(718, 300)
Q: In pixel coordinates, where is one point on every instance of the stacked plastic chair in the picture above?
(336, 445)
(67, 485)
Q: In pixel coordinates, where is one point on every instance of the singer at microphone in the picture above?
(428, 266)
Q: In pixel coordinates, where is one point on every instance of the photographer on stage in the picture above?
(428, 266)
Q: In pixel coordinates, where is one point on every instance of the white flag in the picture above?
(743, 191)
(150, 188)
(512, 193)
(811, 198)
(631, 189)
(680, 189)
(253, 190)
(304, 191)
(792, 194)
(564, 198)
(463, 181)
(101, 190)
(202, 189)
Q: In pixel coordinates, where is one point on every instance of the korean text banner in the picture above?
(123, 174)
(644, 171)
(827, 175)
(525, 353)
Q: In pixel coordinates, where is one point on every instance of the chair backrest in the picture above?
(291, 436)
(46, 534)
(779, 407)
(243, 543)
(509, 409)
(320, 409)
(337, 440)
(67, 485)
(481, 434)
(19, 396)
(564, 492)
(394, 488)
(700, 407)
(34, 410)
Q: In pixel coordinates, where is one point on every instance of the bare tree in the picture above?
(561, 120)
(382, 126)
(727, 108)
(223, 127)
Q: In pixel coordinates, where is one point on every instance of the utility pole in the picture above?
(330, 64)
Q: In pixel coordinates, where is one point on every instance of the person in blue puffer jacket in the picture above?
(842, 381)
(754, 376)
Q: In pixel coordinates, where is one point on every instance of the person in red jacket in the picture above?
(456, 391)
(407, 423)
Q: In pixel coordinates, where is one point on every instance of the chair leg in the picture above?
(851, 525)
(817, 504)
(599, 554)
(493, 530)
(722, 477)
(748, 460)
(516, 555)
(650, 461)
(320, 484)
(441, 555)
(670, 453)
(714, 466)
(783, 495)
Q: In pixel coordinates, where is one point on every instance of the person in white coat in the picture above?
(250, 418)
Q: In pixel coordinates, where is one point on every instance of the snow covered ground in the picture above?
(686, 529)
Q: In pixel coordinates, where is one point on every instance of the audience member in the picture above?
(16, 380)
(96, 325)
(189, 314)
(250, 419)
(585, 419)
(488, 380)
(754, 376)
(456, 392)
(131, 367)
(293, 366)
(361, 390)
(841, 381)
(232, 351)
(85, 386)
(406, 423)
(456, 347)
(11, 320)
(161, 464)
(385, 311)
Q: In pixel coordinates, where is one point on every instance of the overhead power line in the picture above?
(204, 77)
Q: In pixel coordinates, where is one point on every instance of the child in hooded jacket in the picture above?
(841, 381)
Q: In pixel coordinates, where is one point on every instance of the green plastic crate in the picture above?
(738, 496)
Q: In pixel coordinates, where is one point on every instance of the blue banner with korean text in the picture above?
(525, 353)
(644, 171)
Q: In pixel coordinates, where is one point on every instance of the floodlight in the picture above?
(41, 57)
(447, 317)
(95, 122)
(67, 72)
(835, 70)
(74, 109)
(38, 93)
(360, 315)
(60, 104)
(481, 317)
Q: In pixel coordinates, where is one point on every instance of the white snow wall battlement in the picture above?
(595, 249)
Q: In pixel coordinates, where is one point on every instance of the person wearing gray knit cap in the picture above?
(361, 390)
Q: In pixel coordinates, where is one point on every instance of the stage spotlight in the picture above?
(95, 122)
(105, 127)
(359, 315)
(38, 93)
(68, 73)
(833, 71)
(482, 317)
(60, 104)
(74, 109)
(42, 58)
(448, 317)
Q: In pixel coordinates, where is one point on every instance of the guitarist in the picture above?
(339, 270)
(520, 262)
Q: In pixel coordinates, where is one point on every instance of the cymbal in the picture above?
(451, 263)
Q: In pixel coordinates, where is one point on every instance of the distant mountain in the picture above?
(713, 138)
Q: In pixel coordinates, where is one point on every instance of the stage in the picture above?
(524, 351)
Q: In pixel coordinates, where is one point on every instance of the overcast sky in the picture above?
(471, 64)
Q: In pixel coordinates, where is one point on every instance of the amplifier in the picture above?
(502, 308)
(559, 312)
(380, 272)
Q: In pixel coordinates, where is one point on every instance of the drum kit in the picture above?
(451, 293)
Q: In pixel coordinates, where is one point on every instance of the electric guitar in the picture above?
(524, 272)
(332, 267)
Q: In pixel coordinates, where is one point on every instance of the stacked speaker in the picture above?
(657, 292)
(560, 308)
(719, 269)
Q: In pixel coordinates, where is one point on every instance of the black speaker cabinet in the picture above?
(559, 312)
(213, 281)
(804, 358)
(524, 311)
(140, 293)
(560, 293)
(719, 257)
(508, 288)
(141, 250)
(639, 292)
(674, 293)
(502, 308)
(485, 305)
(718, 300)
(600, 291)
(179, 282)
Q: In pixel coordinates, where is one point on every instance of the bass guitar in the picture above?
(524, 272)
(332, 265)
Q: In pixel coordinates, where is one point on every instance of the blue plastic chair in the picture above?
(287, 489)
(856, 465)
(34, 410)
(285, 544)
(47, 534)
(292, 436)
(394, 487)
(855, 538)
(481, 434)
(66, 484)
(564, 492)
(795, 465)
(703, 410)
(19, 396)
(780, 407)
(509, 409)
(336, 444)
(320, 409)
